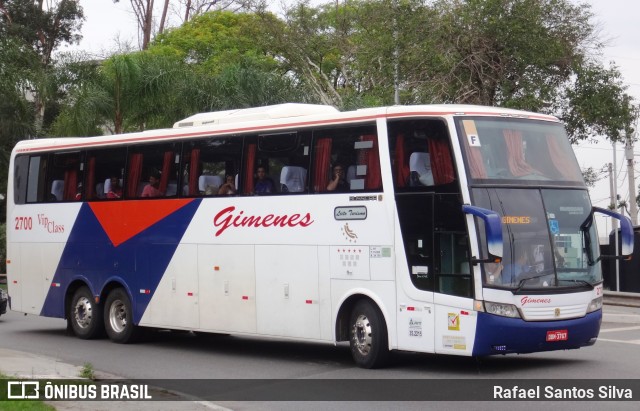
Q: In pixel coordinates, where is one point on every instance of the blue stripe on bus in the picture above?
(501, 335)
(142, 260)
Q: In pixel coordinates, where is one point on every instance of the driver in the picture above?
(513, 271)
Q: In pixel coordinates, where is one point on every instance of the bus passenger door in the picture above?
(455, 322)
(415, 325)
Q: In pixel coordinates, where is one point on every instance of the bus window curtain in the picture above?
(321, 164)
(194, 166)
(476, 163)
(70, 184)
(166, 170)
(90, 189)
(518, 166)
(401, 167)
(135, 174)
(441, 162)
(564, 167)
(249, 169)
(373, 180)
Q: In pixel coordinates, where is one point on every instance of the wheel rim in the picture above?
(361, 334)
(83, 312)
(118, 316)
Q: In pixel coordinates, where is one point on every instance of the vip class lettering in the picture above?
(50, 225)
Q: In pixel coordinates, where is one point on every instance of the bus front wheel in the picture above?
(118, 317)
(368, 336)
(85, 317)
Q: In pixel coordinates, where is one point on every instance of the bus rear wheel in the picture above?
(85, 317)
(118, 318)
(368, 336)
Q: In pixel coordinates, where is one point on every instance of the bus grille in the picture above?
(553, 313)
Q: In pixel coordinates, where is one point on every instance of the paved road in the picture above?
(175, 355)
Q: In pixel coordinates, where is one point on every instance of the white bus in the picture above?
(446, 229)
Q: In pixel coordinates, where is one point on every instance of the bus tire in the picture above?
(118, 318)
(85, 317)
(368, 336)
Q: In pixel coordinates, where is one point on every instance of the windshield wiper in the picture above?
(522, 282)
(583, 282)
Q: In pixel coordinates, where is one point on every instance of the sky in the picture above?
(107, 22)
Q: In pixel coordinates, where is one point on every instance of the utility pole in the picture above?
(396, 56)
(614, 203)
(633, 206)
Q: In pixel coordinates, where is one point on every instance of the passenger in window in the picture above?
(229, 187)
(151, 189)
(264, 185)
(338, 182)
(115, 191)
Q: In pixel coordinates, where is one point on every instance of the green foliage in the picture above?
(42, 28)
(19, 405)
(87, 372)
(214, 40)
(597, 104)
(526, 54)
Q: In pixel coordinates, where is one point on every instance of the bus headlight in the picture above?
(595, 305)
(503, 310)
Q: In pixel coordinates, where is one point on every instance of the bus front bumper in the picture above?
(501, 335)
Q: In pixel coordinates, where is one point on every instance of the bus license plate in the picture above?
(557, 335)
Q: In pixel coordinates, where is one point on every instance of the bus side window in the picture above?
(285, 159)
(65, 175)
(20, 173)
(206, 162)
(420, 155)
(151, 170)
(354, 150)
(36, 184)
(102, 165)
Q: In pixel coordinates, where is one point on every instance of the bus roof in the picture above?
(275, 117)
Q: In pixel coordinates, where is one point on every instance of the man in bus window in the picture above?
(264, 185)
(338, 182)
(229, 187)
(151, 189)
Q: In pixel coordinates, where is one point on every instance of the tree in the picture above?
(43, 28)
(536, 55)
(216, 39)
(597, 104)
(126, 93)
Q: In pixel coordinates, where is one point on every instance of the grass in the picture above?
(7, 405)
(87, 372)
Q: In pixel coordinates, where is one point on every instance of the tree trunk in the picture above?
(187, 11)
(164, 16)
(147, 25)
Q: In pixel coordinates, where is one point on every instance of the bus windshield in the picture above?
(518, 151)
(550, 238)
